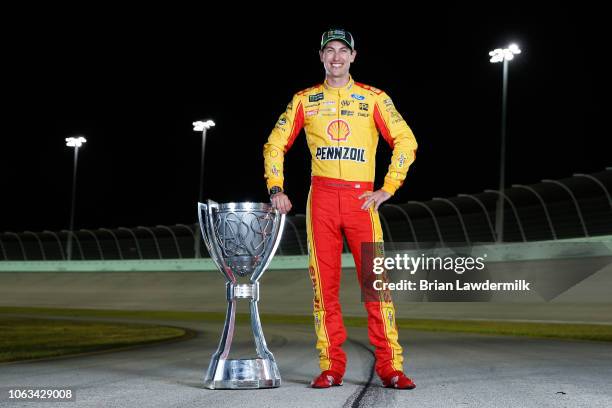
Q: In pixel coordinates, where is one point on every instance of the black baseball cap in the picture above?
(337, 34)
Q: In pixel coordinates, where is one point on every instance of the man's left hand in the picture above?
(376, 198)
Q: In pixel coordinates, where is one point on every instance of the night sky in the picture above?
(133, 82)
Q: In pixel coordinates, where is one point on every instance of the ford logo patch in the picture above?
(358, 97)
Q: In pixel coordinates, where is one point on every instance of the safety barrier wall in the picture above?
(580, 206)
(601, 246)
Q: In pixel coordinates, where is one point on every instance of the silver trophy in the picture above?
(241, 239)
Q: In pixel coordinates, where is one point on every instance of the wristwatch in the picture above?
(274, 190)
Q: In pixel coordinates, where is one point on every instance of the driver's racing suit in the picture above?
(342, 126)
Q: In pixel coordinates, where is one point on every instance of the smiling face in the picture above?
(337, 58)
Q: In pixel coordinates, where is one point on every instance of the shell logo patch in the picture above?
(338, 130)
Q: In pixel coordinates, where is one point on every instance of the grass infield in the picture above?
(570, 331)
(30, 338)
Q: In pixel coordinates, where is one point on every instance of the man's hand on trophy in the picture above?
(281, 202)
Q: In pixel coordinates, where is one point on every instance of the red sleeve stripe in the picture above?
(298, 123)
(382, 126)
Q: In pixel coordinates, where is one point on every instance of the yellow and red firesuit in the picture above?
(342, 126)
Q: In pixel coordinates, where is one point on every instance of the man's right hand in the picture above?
(281, 202)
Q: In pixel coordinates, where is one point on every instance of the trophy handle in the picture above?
(205, 216)
(278, 226)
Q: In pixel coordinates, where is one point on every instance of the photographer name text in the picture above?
(423, 284)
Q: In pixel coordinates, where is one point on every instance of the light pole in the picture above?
(201, 126)
(503, 55)
(76, 143)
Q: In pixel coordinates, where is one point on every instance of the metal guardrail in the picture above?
(580, 206)
(515, 251)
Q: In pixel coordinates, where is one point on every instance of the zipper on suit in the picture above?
(338, 107)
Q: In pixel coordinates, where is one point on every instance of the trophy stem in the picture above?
(260, 340)
(226, 338)
(260, 372)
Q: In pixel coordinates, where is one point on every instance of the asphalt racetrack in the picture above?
(450, 369)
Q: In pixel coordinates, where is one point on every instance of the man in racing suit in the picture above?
(342, 119)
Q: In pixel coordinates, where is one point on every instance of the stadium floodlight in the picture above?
(503, 55)
(497, 55)
(201, 126)
(514, 49)
(76, 143)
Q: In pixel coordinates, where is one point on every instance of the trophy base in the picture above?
(242, 374)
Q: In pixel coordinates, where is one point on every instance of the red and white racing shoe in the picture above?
(327, 379)
(398, 379)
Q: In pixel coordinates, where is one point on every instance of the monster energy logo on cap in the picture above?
(337, 34)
